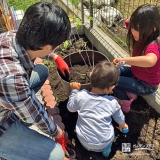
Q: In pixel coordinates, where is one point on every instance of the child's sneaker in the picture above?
(125, 104)
(131, 96)
(106, 152)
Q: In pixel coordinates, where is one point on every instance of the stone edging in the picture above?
(51, 105)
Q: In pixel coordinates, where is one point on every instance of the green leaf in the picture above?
(65, 44)
(90, 18)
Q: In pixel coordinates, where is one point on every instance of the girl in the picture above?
(143, 39)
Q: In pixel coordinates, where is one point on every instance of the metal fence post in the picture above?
(82, 11)
(91, 13)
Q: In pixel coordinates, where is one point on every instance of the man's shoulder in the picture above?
(8, 34)
(8, 38)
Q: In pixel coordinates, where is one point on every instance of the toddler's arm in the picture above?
(72, 104)
(118, 115)
(75, 85)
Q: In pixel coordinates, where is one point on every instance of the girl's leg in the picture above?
(128, 83)
(38, 77)
(125, 71)
(21, 143)
(132, 85)
(121, 93)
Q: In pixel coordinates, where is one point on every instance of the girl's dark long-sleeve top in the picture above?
(15, 94)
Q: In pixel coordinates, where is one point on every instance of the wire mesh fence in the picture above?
(108, 15)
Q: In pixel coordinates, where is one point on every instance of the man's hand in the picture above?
(66, 145)
(61, 65)
(75, 85)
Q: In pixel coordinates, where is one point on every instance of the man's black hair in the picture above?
(43, 24)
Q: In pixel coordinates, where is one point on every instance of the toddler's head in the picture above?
(104, 75)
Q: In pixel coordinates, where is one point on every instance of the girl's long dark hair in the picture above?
(146, 20)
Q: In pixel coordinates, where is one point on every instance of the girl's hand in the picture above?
(126, 22)
(123, 126)
(75, 85)
(116, 60)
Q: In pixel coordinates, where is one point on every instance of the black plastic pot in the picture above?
(76, 59)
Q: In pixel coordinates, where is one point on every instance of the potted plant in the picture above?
(81, 61)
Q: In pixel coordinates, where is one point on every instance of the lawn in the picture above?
(24, 4)
(21, 4)
(125, 6)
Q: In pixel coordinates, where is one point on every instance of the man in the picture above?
(44, 27)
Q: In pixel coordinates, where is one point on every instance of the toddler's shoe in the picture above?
(106, 152)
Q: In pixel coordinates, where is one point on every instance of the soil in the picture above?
(78, 73)
(143, 138)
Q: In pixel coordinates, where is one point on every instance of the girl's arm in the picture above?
(126, 22)
(148, 60)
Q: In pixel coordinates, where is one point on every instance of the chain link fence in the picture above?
(108, 15)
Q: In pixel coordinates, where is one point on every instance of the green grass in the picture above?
(48, 63)
(21, 4)
(122, 42)
(75, 2)
(24, 4)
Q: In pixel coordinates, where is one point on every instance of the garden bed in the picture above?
(142, 141)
